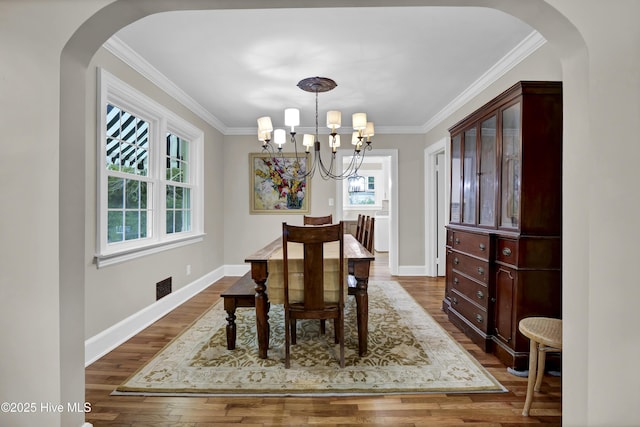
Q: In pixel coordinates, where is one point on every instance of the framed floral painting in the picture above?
(276, 186)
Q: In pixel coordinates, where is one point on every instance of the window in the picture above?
(150, 194)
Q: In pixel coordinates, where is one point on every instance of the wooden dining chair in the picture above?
(318, 220)
(367, 239)
(360, 228)
(313, 305)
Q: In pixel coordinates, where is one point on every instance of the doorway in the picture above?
(388, 159)
(436, 200)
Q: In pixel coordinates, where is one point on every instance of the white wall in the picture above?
(115, 292)
(43, 256)
(245, 233)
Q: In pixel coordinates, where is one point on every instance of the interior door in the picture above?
(441, 212)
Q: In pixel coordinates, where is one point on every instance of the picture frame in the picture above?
(272, 191)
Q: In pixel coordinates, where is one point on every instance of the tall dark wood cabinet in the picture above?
(504, 248)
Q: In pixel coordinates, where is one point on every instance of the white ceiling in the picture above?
(401, 65)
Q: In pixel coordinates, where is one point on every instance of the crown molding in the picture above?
(130, 57)
(526, 47)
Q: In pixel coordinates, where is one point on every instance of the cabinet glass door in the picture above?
(456, 175)
(487, 183)
(511, 168)
(469, 178)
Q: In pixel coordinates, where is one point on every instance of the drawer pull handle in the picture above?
(457, 241)
(456, 261)
(482, 247)
(480, 294)
(478, 318)
(455, 280)
(455, 300)
(480, 271)
(506, 252)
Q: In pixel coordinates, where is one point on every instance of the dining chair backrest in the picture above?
(360, 228)
(318, 220)
(314, 305)
(367, 239)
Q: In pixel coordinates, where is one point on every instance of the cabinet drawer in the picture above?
(474, 314)
(475, 291)
(471, 243)
(507, 251)
(470, 266)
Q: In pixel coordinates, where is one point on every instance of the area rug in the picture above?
(408, 352)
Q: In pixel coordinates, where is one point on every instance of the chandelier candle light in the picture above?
(361, 137)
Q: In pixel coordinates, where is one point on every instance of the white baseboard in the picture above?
(412, 270)
(87, 425)
(102, 343)
(236, 270)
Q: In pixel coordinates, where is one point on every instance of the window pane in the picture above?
(143, 160)
(177, 159)
(113, 121)
(133, 194)
(131, 225)
(143, 195)
(178, 200)
(115, 193)
(112, 159)
(115, 223)
(186, 198)
(178, 221)
(143, 224)
(126, 142)
(170, 222)
(186, 220)
(170, 196)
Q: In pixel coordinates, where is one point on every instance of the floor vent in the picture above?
(163, 288)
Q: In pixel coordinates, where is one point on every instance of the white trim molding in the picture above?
(102, 343)
(431, 205)
(519, 53)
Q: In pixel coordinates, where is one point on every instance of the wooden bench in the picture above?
(241, 294)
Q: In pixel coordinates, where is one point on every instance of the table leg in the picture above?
(259, 275)
(361, 273)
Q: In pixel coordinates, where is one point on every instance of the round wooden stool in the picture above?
(546, 336)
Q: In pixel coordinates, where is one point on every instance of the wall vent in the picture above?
(163, 288)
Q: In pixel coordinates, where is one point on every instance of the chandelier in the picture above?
(328, 169)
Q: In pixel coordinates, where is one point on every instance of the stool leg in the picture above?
(231, 329)
(542, 355)
(533, 356)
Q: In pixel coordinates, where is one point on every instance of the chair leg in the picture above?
(287, 340)
(340, 333)
(294, 328)
(336, 328)
(533, 356)
(542, 356)
(323, 326)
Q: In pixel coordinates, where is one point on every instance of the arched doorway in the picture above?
(73, 110)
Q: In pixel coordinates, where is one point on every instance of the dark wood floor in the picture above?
(483, 409)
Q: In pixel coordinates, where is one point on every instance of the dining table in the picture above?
(359, 262)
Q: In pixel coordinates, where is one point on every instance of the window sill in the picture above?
(105, 260)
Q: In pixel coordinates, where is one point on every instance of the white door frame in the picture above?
(393, 200)
(431, 204)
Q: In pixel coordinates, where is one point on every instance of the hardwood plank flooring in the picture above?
(477, 410)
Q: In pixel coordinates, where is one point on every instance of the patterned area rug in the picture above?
(408, 353)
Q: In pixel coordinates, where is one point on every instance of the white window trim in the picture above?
(161, 121)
